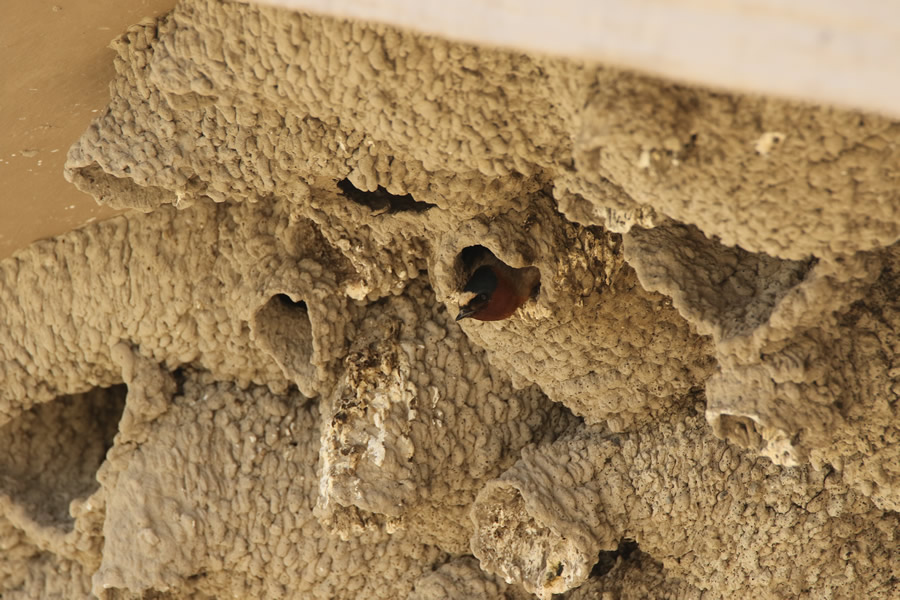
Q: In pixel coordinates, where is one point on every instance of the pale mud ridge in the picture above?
(255, 387)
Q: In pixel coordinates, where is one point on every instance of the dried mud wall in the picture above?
(254, 386)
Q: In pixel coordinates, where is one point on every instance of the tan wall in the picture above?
(54, 78)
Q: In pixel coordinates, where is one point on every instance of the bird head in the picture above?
(483, 284)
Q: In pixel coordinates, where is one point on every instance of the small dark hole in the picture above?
(607, 559)
(470, 254)
(286, 301)
(381, 201)
(180, 377)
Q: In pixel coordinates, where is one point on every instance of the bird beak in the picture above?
(464, 312)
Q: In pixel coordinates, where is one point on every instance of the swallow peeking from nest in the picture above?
(494, 290)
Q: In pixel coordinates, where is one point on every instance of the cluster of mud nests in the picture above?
(254, 385)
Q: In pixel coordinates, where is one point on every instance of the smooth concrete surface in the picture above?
(54, 77)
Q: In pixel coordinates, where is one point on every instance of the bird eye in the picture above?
(481, 297)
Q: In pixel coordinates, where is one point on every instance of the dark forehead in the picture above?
(482, 280)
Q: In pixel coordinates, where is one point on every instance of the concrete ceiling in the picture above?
(56, 66)
(822, 51)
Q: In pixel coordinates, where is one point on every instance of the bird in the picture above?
(497, 289)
